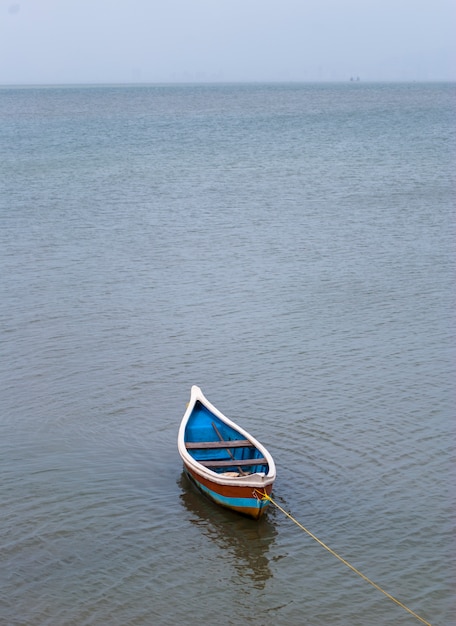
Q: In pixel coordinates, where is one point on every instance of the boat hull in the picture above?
(223, 460)
(245, 500)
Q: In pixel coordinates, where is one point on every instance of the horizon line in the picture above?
(224, 82)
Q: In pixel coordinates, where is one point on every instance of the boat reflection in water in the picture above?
(246, 540)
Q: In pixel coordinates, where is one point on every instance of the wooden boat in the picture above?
(224, 461)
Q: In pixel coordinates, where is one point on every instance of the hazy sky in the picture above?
(82, 41)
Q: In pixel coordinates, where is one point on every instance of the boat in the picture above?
(223, 460)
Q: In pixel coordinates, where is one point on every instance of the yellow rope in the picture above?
(264, 496)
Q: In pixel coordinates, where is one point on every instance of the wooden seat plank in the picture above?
(234, 463)
(207, 445)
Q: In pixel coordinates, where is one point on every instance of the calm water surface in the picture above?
(290, 249)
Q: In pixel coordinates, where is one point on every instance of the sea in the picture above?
(290, 248)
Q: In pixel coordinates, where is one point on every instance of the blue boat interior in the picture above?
(208, 431)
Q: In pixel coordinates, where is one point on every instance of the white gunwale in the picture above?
(254, 480)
